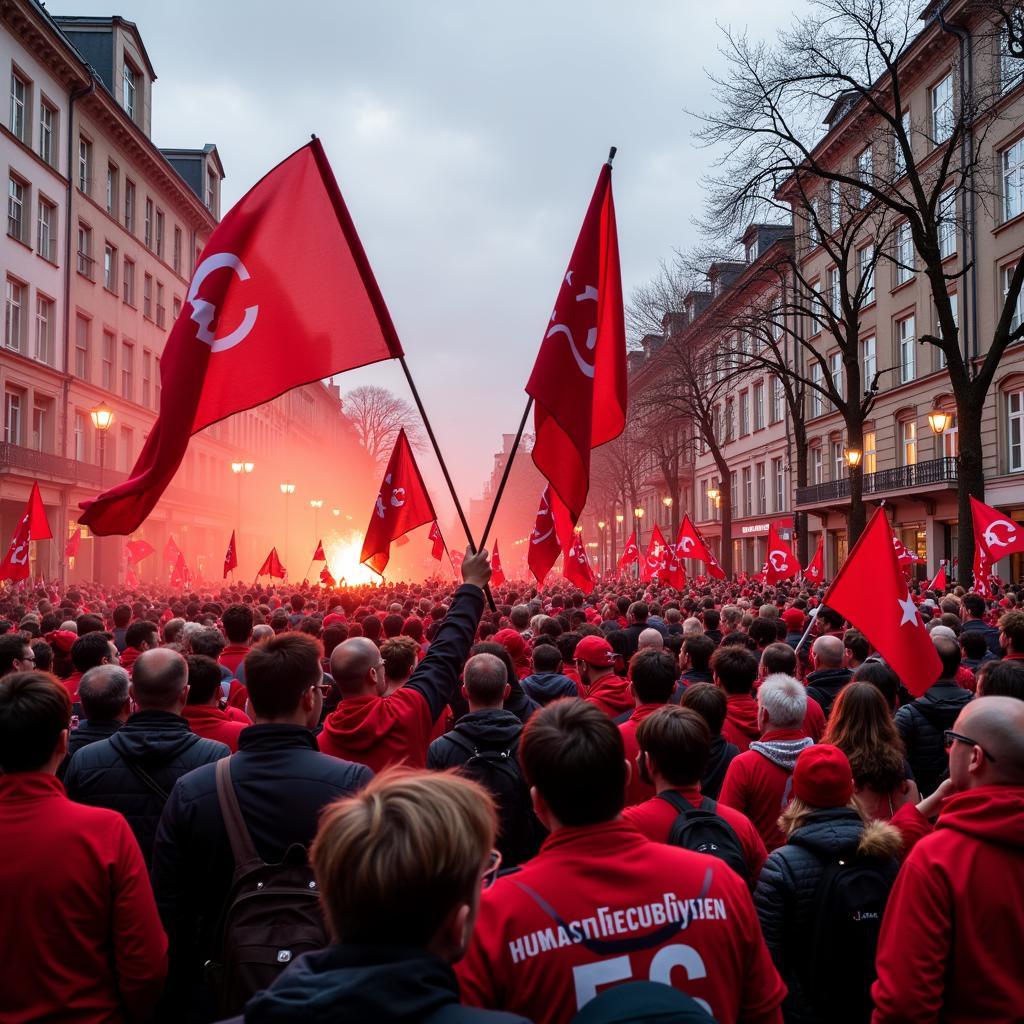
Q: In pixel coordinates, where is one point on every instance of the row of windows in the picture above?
(114, 358)
(750, 491)
(28, 425)
(20, 218)
(41, 134)
(29, 330)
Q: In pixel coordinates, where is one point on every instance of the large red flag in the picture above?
(576, 567)
(326, 578)
(137, 550)
(630, 553)
(497, 573)
(180, 573)
(318, 555)
(436, 541)
(780, 562)
(675, 571)
(655, 562)
(996, 533)
(939, 582)
(32, 526)
(904, 556)
(74, 541)
(815, 571)
(982, 569)
(230, 556)
(871, 591)
(272, 566)
(552, 534)
(283, 296)
(401, 506)
(171, 549)
(690, 544)
(579, 378)
(38, 527)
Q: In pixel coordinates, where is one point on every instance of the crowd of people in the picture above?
(397, 803)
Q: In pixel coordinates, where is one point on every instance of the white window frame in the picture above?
(836, 372)
(870, 460)
(865, 173)
(778, 401)
(869, 359)
(1012, 170)
(47, 132)
(18, 194)
(941, 101)
(21, 99)
(835, 296)
(817, 401)
(45, 315)
(779, 480)
(866, 267)
(129, 89)
(15, 295)
(757, 400)
(906, 341)
(110, 276)
(905, 253)
(1006, 276)
(46, 230)
(84, 164)
(1015, 431)
(908, 442)
(946, 227)
(12, 416)
(817, 465)
(835, 205)
(744, 413)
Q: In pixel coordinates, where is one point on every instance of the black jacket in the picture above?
(544, 687)
(282, 782)
(784, 897)
(162, 745)
(991, 634)
(921, 724)
(825, 684)
(86, 733)
(360, 983)
(722, 753)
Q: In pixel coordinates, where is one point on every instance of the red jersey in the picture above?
(814, 720)
(637, 791)
(232, 656)
(740, 726)
(655, 817)
(611, 694)
(601, 905)
(213, 724)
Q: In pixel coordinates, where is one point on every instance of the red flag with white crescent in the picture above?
(576, 567)
(690, 544)
(497, 573)
(436, 541)
(780, 562)
(815, 571)
(230, 556)
(14, 567)
(630, 553)
(552, 534)
(654, 562)
(997, 533)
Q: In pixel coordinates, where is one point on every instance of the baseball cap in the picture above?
(793, 618)
(596, 651)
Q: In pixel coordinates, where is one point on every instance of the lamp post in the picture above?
(667, 502)
(601, 524)
(335, 512)
(240, 469)
(287, 489)
(853, 457)
(316, 504)
(619, 520)
(638, 514)
(102, 417)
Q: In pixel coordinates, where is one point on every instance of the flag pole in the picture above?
(507, 470)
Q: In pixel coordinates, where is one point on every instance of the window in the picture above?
(730, 421)
(940, 355)
(762, 489)
(17, 195)
(108, 355)
(868, 360)
(125, 449)
(147, 377)
(160, 233)
(898, 161)
(759, 405)
(817, 468)
(14, 314)
(85, 250)
(835, 205)
(865, 173)
(45, 308)
(870, 460)
(835, 292)
(129, 205)
(147, 225)
(175, 309)
(1018, 305)
(904, 253)
(128, 370)
(147, 296)
(176, 255)
(835, 362)
(81, 433)
(129, 84)
(110, 267)
(19, 107)
(813, 235)
(48, 133)
(942, 110)
(818, 379)
(156, 382)
(817, 307)
(84, 164)
(161, 313)
(46, 231)
(744, 413)
(1015, 430)
(951, 439)
(866, 266)
(83, 328)
(1010, 68)
(779, 478)
(838, 462)
(907, 354)
(211, 192)
(778, 401)
(12, 416)
(129, 281)
(748, 496)
(1013, 179)
(41, 424)
(946, 213)
(112, 201)
(908, 442)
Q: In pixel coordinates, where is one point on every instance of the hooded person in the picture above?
(823, 824)
(547, 682)
(734, 669)
(514, 643)
(795, 622)
(709, 702)
(599, 685)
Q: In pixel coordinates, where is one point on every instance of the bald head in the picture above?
(828, 652)
(485, 680)
(357, 667)
(103, 693)
(650, 639)
(160, 680)
(996, 725)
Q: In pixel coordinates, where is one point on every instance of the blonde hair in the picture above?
(395, 859)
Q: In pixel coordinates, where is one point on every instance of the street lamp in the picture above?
(287, 489)
(240, 469)
(316, 504)
(853, 457)
(939, 420)
(335, 512)
(601, 524)
(638, 514)
(102, 417)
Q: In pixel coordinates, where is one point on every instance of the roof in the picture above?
(88, 23)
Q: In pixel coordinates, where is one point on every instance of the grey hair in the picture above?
(783, 699)
(692, 627)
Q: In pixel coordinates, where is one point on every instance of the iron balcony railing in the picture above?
(933, 472)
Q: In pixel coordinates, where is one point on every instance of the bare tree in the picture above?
(377, 416)
(848, 57)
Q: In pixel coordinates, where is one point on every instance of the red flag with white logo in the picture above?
(272, 566)
(655, 562)
(675, 571)
(14, 567)
(579, 378)
(982, 570)
(871, 592)
(326, 578)
(137, 550)
(815, 571)
(436, 541)
(630, 553)
(690, 544)
(552, 534)
(997, 533)
(318, 555)
(74, 541)
(780, 562)
(283, 295)
(497, 573)
(401, 506)
(576, 567)
(230, 556)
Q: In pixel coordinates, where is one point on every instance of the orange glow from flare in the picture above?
(343, 560)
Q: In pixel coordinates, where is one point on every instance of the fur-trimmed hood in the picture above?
(879, 839)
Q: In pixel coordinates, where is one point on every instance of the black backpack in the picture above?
(703, 830)
(272, 913)
(838, 966)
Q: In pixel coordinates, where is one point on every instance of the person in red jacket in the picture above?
(653, 678)
(380, 731)
(599, 685)
(953, 931)
(601, 904)
(79, 929)
(237, 621)
(202, 707)
(675, 744)
(781, 657)
(758, 782)
(734, 671)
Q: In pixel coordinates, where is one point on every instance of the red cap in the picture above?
(822, 776)
(596, 651)
(794, 619)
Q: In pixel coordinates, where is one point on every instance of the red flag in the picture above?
(130, 579)
(904, 555)
(815, 571)
(579, 378)
(690, 544)
(171, 550)
(982, 570)
(272, 566)
(436, 540)
(675, 571)
(230, 556)
(871, 592)
(71, 548)
(457, 557)
(318, 555)
(552, 534)
(326, 578)
(288, 298)
(575, 566)
(14, 567)
(497, 573)
(654, 563)
(137, 550)
(939, 583)
(780, 562)
(179, 574)
(38, 527)
(996, 533)
(630, 553)
(402, 505)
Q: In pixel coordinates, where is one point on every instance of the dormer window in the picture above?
(211, 191)
(130, 80)
(751, 250)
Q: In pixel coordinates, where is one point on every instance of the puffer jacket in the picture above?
(921, 724)
(784, 897)
(158, 742)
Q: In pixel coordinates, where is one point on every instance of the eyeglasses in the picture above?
(490, 873)
(951, 737)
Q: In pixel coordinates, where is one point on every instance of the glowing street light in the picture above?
(940, 421)
(853, 457)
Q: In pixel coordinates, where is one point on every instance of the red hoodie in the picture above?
(610, 694)
(213, 724)
(953, 930)
(637, 791)
(601, 905)
(740, 726)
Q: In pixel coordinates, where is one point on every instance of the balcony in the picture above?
(930, 475)
(14, 458)
(86, 266)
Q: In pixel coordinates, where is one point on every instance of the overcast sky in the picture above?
(466, 138)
